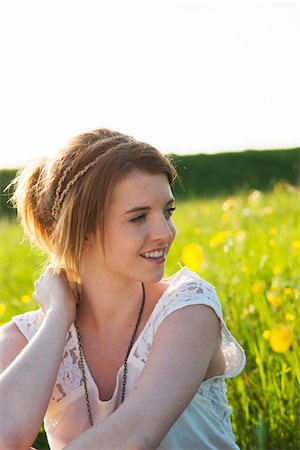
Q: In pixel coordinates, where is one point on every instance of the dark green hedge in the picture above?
(219, 174)
(228, 173)
(6, 176)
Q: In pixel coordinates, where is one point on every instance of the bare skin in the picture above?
(111, 295)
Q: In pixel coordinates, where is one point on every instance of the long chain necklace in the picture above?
(125, 360)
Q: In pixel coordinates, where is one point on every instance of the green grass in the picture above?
(250, 247)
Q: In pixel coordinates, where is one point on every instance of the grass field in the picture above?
(248, 247)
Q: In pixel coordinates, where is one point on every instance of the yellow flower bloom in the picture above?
(273, 299)
(272, 243)
(25, 298)
(266, 334)
(198, 231)
(225, 218)
(289, 317)
(288, 291)
(273, 231)
(2, 308)
(192, 256)
(296, 245)
(218, 238)
(258, 287)
(280, 338)
(258, 361)
(277, 270)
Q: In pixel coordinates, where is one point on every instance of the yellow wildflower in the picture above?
(280, 338)
(258, 287)
(2, 308)
(192, 256)
(258, 360)
(276, 270)
(218, 238)
(289, 317)
(273, 231)
(266, 334)
(288, 291)
(25, 298)
(272, 243)
(273, 299)
(225, 218)
(296, 245)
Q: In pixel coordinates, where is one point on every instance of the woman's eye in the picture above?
(169, 212)
(138, 218)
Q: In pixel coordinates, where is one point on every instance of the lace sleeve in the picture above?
(193, 291)
(29, 322)
(189, 289)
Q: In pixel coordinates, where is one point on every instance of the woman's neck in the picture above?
(105, 305)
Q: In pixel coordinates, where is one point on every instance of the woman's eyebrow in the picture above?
(147, 208)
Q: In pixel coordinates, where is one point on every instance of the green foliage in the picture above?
(251, 254)
(6, 176)
(230, 173)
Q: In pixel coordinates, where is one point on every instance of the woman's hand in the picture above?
(53, 293)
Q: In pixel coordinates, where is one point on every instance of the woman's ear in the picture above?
(88, 239)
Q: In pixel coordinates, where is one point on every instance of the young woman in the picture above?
(116, 357)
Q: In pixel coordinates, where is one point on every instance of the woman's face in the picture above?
(139, 228)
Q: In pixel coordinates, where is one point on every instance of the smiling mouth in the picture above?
(155, 254)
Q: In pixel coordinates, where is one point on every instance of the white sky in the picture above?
(184, 75)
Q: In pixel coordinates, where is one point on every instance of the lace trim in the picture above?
(28, 323)
(69, 375)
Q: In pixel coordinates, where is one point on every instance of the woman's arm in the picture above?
(29, 370)
(177, 364)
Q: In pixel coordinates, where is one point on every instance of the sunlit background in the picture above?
(188, 76)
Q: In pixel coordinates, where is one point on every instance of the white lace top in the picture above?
(205, 423)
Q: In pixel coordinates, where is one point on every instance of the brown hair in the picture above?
(57, 208)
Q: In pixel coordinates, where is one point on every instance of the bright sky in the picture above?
(187, 76)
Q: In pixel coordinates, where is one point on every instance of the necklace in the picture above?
(125, 360)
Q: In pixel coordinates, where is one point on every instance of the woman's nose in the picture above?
(163, 230)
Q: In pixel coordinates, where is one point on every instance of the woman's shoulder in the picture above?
(185, 276)
(184, 288)
(187, 287)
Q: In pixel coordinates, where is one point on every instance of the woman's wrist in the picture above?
(60, 316)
